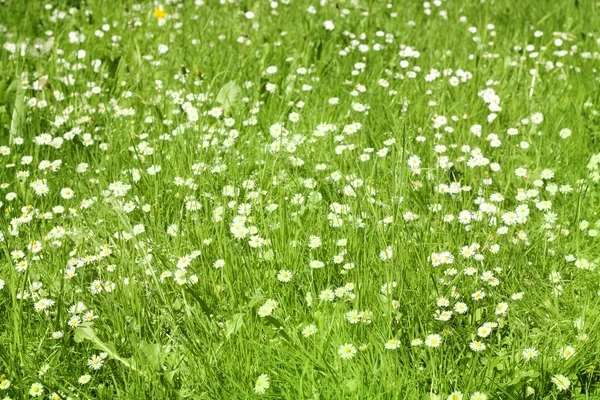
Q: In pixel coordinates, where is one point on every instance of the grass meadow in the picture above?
(300, 199)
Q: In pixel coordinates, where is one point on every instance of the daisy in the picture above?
(95, 362)
(43, 304)
(562, 382)
(265, 311)
(484, 331)
(347, 351)
(567, 352)
(537, 118)
(461, 308)
(392, 344)
(433, 340)
(352, 316)
(477, 346)
(529, 354)
(455, 396)
(262, 384)
(478, 396)
(284, 276)
(57, 335)
(309, 330)
(501, 308)
(36, 390)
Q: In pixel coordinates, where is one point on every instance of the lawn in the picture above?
(300, 199)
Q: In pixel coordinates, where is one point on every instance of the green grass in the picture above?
(179, 265)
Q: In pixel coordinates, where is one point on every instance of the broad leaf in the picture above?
(228, 95)
(14, 98)
(233, 325)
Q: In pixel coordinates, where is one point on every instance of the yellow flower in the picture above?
(159, 13)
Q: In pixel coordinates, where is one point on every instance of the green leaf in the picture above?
(268, 255)
(10, 96)
(153, 355)
(177, 305)
(274, 321)
(313, 200)
(478, 315)
(200, 301)
(84, 332)
(234, 324)
(112, 65)
(383, 299)
(3, 88)
(277, 324)
(169, 375)
(14, 98)
(351, 385)
(41, 47)
(228, 95)
(522, 377)
(530, 374)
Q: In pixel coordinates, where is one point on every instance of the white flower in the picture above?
(95, 362)
(537, 118)
(309, 330)
(347, 351)
(284, 276)
(386, 254)
(262, 384)
(567, 352)
(433, 340)
(36, 390)
(561, 382)
(565, 133)
(43, 304)
(478, 396)
(529, 354)
(67, 193)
